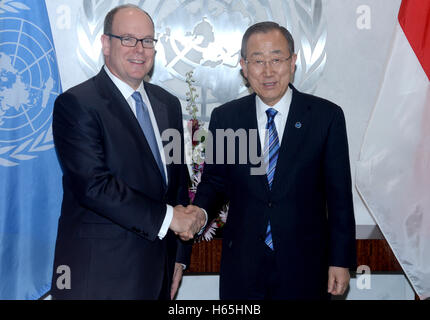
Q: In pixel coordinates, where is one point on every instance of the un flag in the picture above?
(30, 176)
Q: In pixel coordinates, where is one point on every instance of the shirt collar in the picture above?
(123, 87)
(283, 105)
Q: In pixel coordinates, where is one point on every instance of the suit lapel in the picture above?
(295, 130)
(298, 123)
(249, 116)
(121, 110)
(161, 116)
(117, 104)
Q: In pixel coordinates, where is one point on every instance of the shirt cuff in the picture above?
(166, 223)
(206, 222)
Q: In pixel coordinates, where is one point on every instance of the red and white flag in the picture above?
(393, 171)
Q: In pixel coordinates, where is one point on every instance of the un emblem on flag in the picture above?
(29, 84)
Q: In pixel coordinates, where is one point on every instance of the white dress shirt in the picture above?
(283, 107)
(127, 91)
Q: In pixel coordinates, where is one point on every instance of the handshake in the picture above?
(187, 221)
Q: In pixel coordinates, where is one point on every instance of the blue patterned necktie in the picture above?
(271, 152)
(144, 120)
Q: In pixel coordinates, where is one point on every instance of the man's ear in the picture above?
(293, 63)
(105, 39)
(244, 66)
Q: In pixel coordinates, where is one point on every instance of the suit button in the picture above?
(230, 243)
(270, 205)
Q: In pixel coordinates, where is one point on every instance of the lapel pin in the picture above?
(298, 125)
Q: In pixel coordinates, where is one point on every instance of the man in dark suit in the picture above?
(122, 204)
(290, 232)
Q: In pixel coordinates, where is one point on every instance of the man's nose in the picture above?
(268, 68)
(139, 46)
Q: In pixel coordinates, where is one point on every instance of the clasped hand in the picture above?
(187, 221)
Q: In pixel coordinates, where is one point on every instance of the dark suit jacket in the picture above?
(310, 205)
(114, 197)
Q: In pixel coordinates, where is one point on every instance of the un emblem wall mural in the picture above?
(205, 37)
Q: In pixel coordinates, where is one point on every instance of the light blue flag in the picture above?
(30, 176)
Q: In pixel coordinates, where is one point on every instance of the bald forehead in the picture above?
(126, 13)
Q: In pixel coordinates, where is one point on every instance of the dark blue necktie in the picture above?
(271, 152)
(144, 120)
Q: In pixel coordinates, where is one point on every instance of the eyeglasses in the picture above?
(260, 63)
(128, 41)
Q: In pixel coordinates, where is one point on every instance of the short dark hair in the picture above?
(111, 14)
(265, 27)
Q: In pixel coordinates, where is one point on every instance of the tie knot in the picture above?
(271, 113)
(137, 97)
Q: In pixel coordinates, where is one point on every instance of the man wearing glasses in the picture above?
(122, 203)
(290, 233)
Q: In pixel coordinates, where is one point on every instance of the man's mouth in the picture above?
(269, 84)
(136, 61)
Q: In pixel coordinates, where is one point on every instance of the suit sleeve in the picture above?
(79, 142)
(211, 191)
(339, 195)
